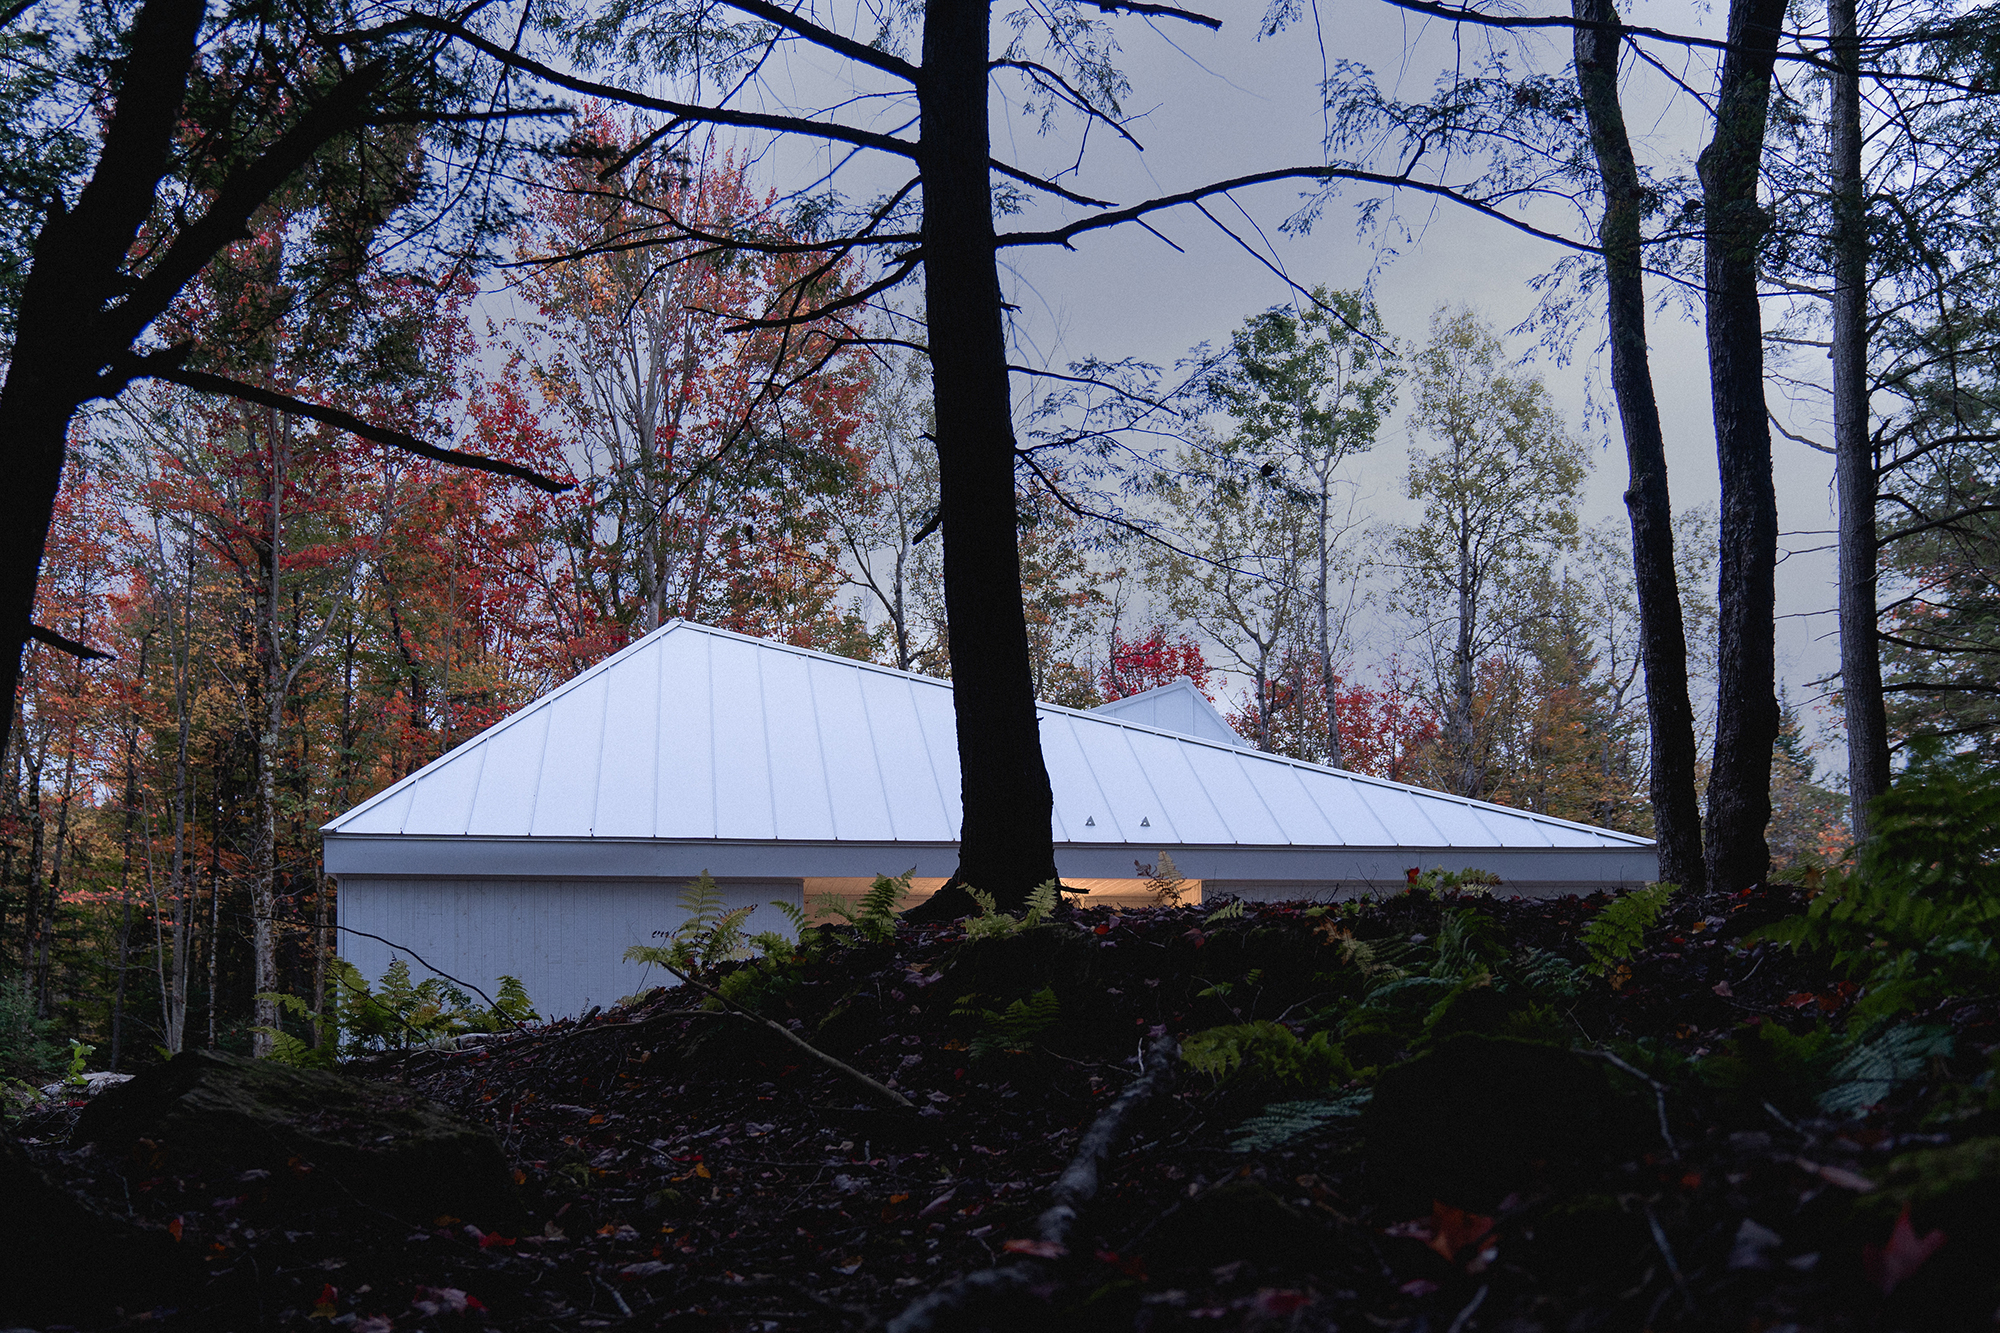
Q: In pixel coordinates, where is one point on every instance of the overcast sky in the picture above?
(1210, 106)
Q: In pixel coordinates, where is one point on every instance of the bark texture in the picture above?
(78, 265)
(1746, 715)
(1853, 452)
(1662, 636)
(1005, 845)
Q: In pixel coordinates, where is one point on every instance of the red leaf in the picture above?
(1452, 1229)
(1889, 1265)
(1040, 1249)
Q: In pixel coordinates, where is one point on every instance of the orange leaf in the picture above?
(1040, 1249)
(174, 1228)
(1889, 1265)
(1452, 1229)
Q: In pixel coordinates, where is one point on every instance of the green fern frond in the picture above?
(1869, 1073)
(1281, 1122)
(1041, 901)
(793, 913)
(1234, 910)
(1620, 927)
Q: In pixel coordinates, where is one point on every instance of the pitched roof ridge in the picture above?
(1089, 715)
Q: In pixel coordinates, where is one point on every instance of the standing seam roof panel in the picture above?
(684, 801)
(712, 727)
(1171, 768)
(629, 775)
(566, 797)
(506, 805)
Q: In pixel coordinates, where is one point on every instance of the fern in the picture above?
(1041, 901)
(513, 1001)
(1233, 910)
(877, 917)
(1437, 881)
(1918, 915)
(1163, 880)
(1281, 1122)
(1620, 927)
(1266, 1050)
(1009, 1029)
(992, 923)
(793, 913)
(1867, 1074)
(706, 937)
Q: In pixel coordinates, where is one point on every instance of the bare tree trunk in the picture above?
(124, 954)
(1746, 723)
(79, 258)
(1329, 684)
(1662, 636)
(264, 898)
(1471, 777)
(1853, 452)
(45, 961)
(1005, 844)
(31, 950)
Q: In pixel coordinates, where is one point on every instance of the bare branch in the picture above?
(203, 382)
(1063, 235)
(1161, 11)
(707, 115)
(828, 40)
(68, 645)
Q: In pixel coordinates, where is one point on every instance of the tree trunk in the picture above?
(1470, 778)
(79, 258)
(1662, 637)
(264, 898)
(1746, 723)
(1329, 684)
(1853, 453)
(1005, 842)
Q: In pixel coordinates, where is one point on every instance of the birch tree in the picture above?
(1500, 503)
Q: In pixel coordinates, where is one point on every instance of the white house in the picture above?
(547, 844)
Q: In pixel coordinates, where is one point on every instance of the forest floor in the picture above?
(1423, 1114)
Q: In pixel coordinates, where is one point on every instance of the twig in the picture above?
(1659, 1095)
(838, 1066)
(1074, 1188)
(1667, 1253)
(1465, 1315)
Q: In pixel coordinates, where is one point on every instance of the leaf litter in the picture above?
(685, 1172)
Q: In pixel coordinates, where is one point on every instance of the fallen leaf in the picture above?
(1722, 988)
(1891, 1264)
(1451, 1229)
(174, 1228)
(1040, 1249)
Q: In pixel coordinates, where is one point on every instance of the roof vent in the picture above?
(1090, 822)
(1146, 823)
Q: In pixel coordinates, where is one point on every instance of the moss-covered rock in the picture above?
(322, 1135)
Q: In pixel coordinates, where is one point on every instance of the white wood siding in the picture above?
(565, 939)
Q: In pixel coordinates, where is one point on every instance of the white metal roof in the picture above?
(703, 738)
(1176, 706)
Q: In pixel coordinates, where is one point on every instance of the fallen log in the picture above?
(958, 1304)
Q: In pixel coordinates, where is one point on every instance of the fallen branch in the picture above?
(840, 1067)
(1076, 1187)
(1659, 1095)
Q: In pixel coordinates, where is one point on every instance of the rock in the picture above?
(1478, 1118)
(323, 1135)
(92, 1085)
(67, 1258)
